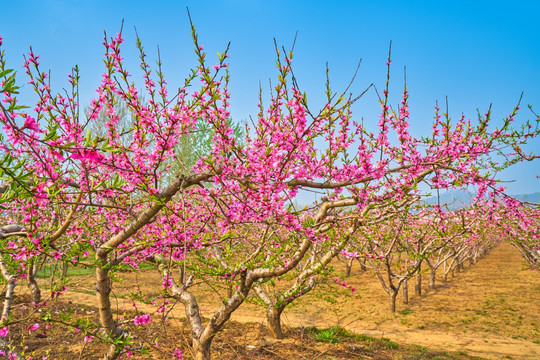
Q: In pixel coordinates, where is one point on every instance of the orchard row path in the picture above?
(491, 309)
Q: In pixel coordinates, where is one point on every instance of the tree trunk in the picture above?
(202, 349)
(112, 353)
(432, 278)
(35, 293)
(64, 270)
(405, 292)
(348, 267)
(8, 300)
(103, 290)
(273, 318)
(418, 285)
(10, 288)
(393, 296)
(477, 256)
(363, 266)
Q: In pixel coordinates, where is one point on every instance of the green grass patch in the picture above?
(336, 334)
(405, 312)
(364, 338)
(49, 271)
(332, 335)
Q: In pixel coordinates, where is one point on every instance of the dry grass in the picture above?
(489, 310)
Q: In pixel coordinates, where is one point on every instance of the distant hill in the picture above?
(458, 199)
(533, 198)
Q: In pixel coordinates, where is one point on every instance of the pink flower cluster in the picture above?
(142, 319)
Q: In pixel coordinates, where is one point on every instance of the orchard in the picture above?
(157, 177)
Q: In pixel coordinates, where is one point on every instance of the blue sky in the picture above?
(475, 52)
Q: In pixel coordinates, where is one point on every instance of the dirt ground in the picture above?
(491, 309)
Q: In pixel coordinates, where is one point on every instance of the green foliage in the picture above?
(364, 338)
(72, 271)
(14, 179)
(197, 144)
(405, 312)
(336, 334)
(190, 148)
(329, 335)
(97, 129)
(391, 345)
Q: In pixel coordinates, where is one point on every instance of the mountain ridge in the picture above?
(458, 199)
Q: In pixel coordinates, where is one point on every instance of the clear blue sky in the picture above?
(474, 52)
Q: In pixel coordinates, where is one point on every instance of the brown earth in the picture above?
(491, 309)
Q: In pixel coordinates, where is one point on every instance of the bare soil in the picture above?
(490, 310)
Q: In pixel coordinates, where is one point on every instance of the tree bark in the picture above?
(348, 267)
(202, 349)
(103, 290)
(363, 266)
(64, 270)
(405, 292)
(393, 296)
(432, 277)
(10, 289)
(33, 286)
(273, 318)
(418, 285)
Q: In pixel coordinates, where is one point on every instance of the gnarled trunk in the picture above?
(35, 293)
(273, 318)
(103, 290)
(10, 288)
(363, 266)
(8, 300)
(202, 349)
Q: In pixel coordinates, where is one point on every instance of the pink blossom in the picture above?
(30, 123)
(33, 327)
(178, 354)
(4, 331)
(142, 320)
(167, 282)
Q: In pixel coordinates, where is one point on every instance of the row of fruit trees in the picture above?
(125, 194)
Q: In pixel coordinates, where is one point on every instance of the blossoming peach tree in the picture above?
(109, 200)
(521, 224)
